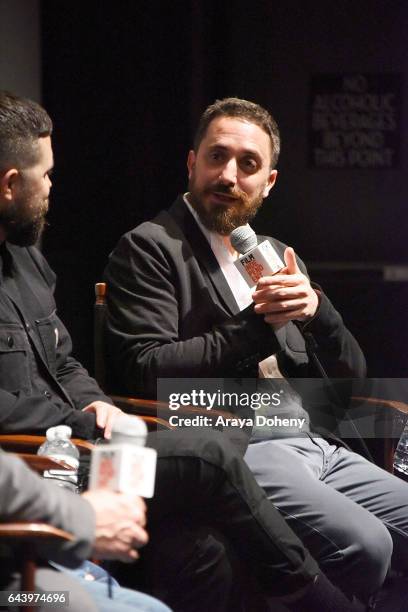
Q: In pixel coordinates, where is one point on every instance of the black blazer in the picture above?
(172, 314)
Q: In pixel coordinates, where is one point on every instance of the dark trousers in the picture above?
(202, 485)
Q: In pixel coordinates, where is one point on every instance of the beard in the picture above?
(24, 221)
(223, 219)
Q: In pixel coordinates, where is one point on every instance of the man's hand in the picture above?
(105, 416)
(120, 521)
(286, 296)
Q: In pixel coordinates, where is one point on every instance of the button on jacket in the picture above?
(41, 384)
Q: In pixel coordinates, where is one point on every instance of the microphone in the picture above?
(125, 464)
(256, 259)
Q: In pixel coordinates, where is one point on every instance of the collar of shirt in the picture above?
(5, 261)
(242, 293)
(268, 368)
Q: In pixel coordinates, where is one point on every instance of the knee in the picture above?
(377, 550)
(373, 552)
(213, 561)
(362, 556)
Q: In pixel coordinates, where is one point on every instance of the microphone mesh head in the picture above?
(243, 239)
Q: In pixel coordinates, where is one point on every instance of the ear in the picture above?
(8, 184)
(191, 159)
(271, 181)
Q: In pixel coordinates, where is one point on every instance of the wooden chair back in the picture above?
(99, 334)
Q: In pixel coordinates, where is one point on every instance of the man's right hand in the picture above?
(120, 521)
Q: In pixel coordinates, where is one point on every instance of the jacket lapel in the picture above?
(202, 251)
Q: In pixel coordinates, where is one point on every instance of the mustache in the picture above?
(234, 192)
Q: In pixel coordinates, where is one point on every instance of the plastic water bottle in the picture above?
(401, 453)
(59, 446)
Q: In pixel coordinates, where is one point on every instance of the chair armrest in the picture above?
(21, 443)
(39, 463)
(31, 535)
(393, 409)
(382, 403)
(145, 407)
(34, 532)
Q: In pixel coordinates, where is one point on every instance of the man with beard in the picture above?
(42, 385)
(47, 386)
(178, 308)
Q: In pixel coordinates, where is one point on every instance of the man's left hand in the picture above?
(105, 416)
(286, 296)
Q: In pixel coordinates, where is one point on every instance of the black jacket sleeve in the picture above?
(34, 414)
(333, 344)
(153, 292)
(147, 307)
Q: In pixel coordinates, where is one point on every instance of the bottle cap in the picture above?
(59, 432)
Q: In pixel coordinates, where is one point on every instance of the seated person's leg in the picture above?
(47, 579)
(185, 565)
(352, 547)
(379, 492)
(107, 593)
(121, 599)
(200, 474)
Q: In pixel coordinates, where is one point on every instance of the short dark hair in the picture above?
(22, 123)
(242, 109)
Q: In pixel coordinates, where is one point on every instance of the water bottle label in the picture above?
(71, 475)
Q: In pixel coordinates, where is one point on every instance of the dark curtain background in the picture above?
(125, 83)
